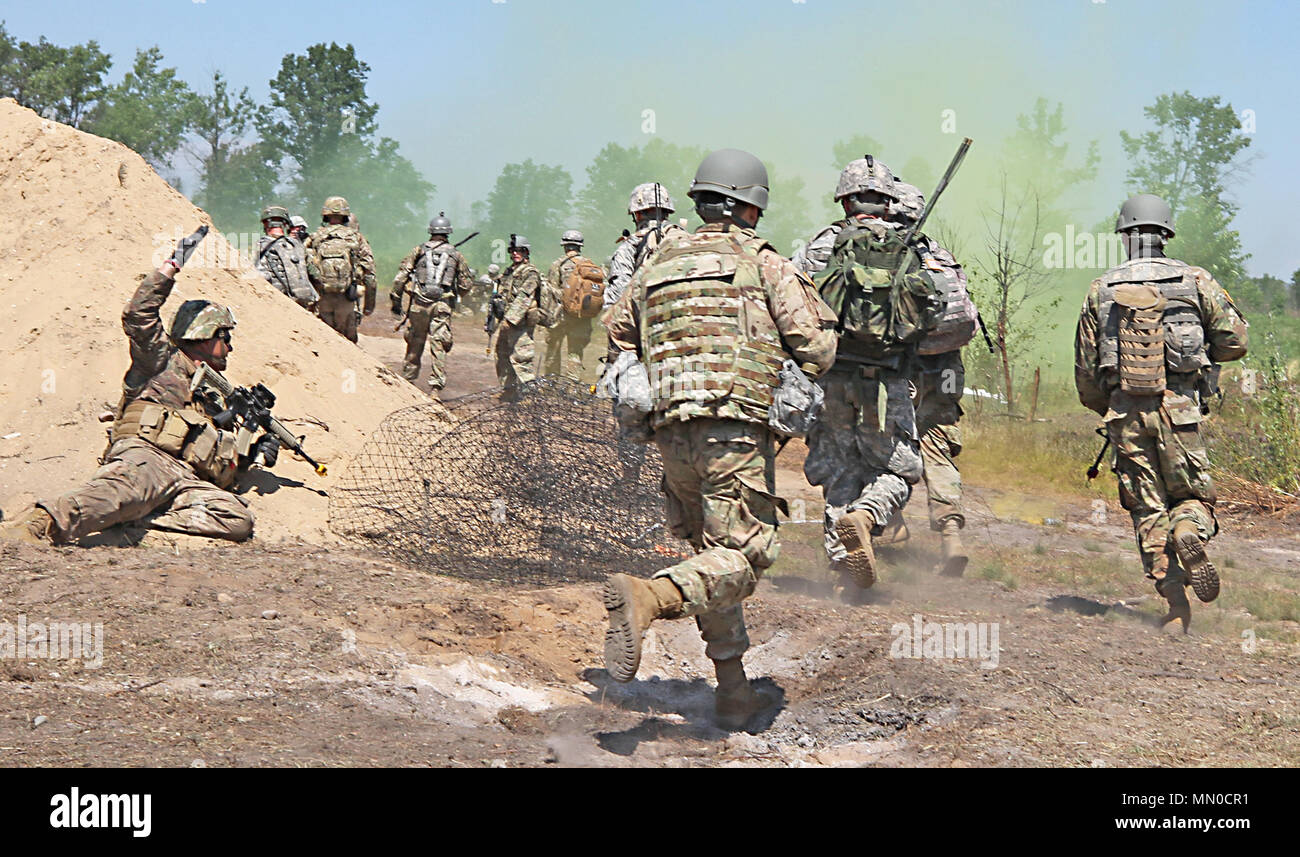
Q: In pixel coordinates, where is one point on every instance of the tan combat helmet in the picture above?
(335, 205)
(197, 320)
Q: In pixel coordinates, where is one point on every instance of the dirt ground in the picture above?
(291, 654)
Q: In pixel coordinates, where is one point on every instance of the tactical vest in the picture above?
(1148, 323)
(282, 261)
(186, 434)
(879, 314)
(333, 248)
(706, 332)
(956, 321)
(435, 272)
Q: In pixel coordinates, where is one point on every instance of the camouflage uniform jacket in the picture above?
(631, 253)
(159, 372)
(460, 278)
(1224, 332)
(363, 260)
(521, 287)
(791, 305)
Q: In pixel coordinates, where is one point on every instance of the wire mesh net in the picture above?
(536, 489)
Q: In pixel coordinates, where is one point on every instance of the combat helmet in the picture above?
(571, 236)
(275, 212)
(1145, 209)
(298, 222)
(519, 242)
(197, 320)
(732, 173)
(648, 196)
(866, 174)
(440, 225)
(910, 201)
(335, 205)
(494, 269)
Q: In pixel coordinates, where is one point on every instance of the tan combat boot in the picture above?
(954, 555)
(1171, 583)
(35, 526)
(735, 701)
(1192, 557)
(854, 530)
(895, 533)
(633, 604)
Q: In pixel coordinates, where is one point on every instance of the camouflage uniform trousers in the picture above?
(859, 463)
(565, 344)
(1163, 468)
(719, 482)
(516, 356)
(430, 322)
(140, 482)
(939, 388)
(339, 313)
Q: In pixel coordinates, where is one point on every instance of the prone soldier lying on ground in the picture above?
(181, 434)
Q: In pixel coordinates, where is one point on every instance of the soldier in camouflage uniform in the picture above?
(167, 465)
(940, 380)
(282, 258)
(520, 292)
(866, 470)
(439, 276)
(649, 206)
(711, 395)
(567, 338)
(346, 268)
(298, 228)
(1151, 334)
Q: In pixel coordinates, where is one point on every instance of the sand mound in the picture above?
(84, 217)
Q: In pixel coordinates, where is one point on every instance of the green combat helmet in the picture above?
(734, 174)
(1145, 209)
(275, 212)
(649, 196)
(197, 320)
(335, 205)
(572, 236)
(440, 225)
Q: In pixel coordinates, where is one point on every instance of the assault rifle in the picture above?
(411, 298)
(247, 412)
(496, 312)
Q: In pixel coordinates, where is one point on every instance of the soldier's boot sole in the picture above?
(854, 530)
(1174, 591)
(1194, 560)
(633, 604)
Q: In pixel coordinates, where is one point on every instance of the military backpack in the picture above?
(584, 289)
(334, 259)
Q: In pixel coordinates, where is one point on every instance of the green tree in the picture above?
(236, 177)
(320, 129)
(601, 205)
(1189, 158)
(148, 111)
(57, 82)
(1037, 156)
(787, 221)
(528, 199)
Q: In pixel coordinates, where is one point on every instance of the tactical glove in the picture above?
(185, 248)
(269, 447)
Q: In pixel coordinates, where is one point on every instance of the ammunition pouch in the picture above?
(184, 435)
(1141, 339)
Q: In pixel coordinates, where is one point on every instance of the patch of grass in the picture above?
(1092, 547)
(1040, 549)
(994, 570)
(1271, 605)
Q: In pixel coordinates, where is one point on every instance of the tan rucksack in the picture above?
(584, 289)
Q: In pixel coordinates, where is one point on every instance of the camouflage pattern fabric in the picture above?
(516, 357)
(940, 380)
(719, 482)
(814, 256)
(516, 353)
(1160, 457)
(630, 254)
(339, 313)
(719, 454)
(136, 478)
(139, 482)
(859, 463)
(363, 276)
(566, 341)
(284, 262)
(429, 321)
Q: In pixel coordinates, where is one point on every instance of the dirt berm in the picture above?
(84, 218)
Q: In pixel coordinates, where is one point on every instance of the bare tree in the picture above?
(1013, 279)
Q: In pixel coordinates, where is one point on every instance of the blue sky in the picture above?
(555, 80)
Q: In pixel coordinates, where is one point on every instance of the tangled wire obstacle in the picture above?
(536, 489)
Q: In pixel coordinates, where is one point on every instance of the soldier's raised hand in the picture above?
(185, 247)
